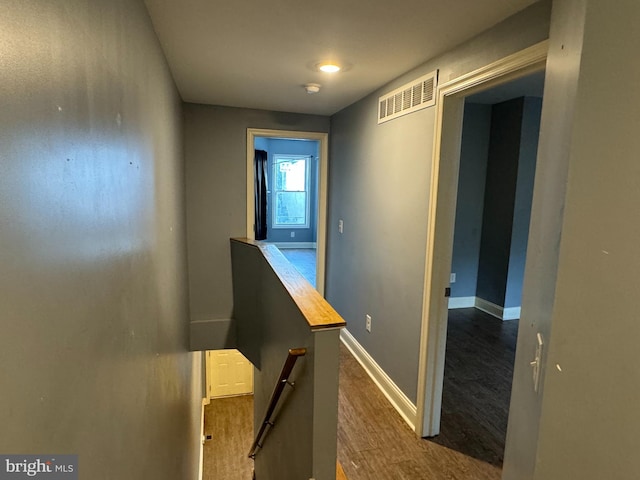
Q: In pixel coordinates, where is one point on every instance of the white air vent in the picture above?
(416, 95)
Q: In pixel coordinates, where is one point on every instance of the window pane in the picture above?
(290, 175)
(291, 208)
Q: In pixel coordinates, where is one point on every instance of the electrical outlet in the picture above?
(368, 323)
(453, 278)
(293, 234)
(340, 226)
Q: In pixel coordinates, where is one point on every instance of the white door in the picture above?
(228, 373)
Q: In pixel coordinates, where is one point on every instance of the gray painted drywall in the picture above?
(470, 201)
(379, 186)
(513, 129)
(507, 200)
(269, 324)
(590, 423)
(558, 110)
(92, 244)
(215, 141)
(529, 134)
(499, 198)
(212, 334)
(276, 146)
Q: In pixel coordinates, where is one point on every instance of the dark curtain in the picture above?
(260, 193)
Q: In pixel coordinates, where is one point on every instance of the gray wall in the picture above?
(515, 126)
(499, 198)
(470, 202)
(495, 273)
(293, 147)
(590, 422)
(269, 324)
(529, 135)
(379, 186)
(539, 293)
(215, 155)
(92, 244)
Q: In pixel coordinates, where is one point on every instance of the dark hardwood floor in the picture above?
(229, 421)
(477, 384)
(375, 443)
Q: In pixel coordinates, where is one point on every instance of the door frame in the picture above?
(441, 220)
(321, 228)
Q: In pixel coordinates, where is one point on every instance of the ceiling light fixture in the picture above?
(312, 88)
(329, 67)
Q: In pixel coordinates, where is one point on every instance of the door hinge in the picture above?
(447, 292)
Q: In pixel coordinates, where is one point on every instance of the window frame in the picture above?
(277, 158)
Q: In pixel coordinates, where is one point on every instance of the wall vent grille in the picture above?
(414, 96)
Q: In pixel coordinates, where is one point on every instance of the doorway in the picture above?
(292, 200)
(297, 166)
(498, 155)
(444, 189)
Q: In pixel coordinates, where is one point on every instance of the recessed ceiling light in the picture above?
(329, 67)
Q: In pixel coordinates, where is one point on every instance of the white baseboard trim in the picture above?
(488, 307)
(205, 401)
(396, 397)
(511, 313)
(285, 245)
(497, 311)
(461, 302)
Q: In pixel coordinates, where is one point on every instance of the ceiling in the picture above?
(259, 54)
(531, 85)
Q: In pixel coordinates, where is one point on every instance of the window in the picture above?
(291, 191)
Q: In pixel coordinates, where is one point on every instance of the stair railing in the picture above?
(282, 382)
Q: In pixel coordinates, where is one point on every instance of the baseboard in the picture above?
(497, 311)
(489, 307)
(396, 397)
(461, 302)
(285, 245)
(511, 313)
(205, 401)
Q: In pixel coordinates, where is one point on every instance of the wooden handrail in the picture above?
(316, 310)
(283, 380)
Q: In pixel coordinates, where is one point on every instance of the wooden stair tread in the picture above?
(340, 472)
